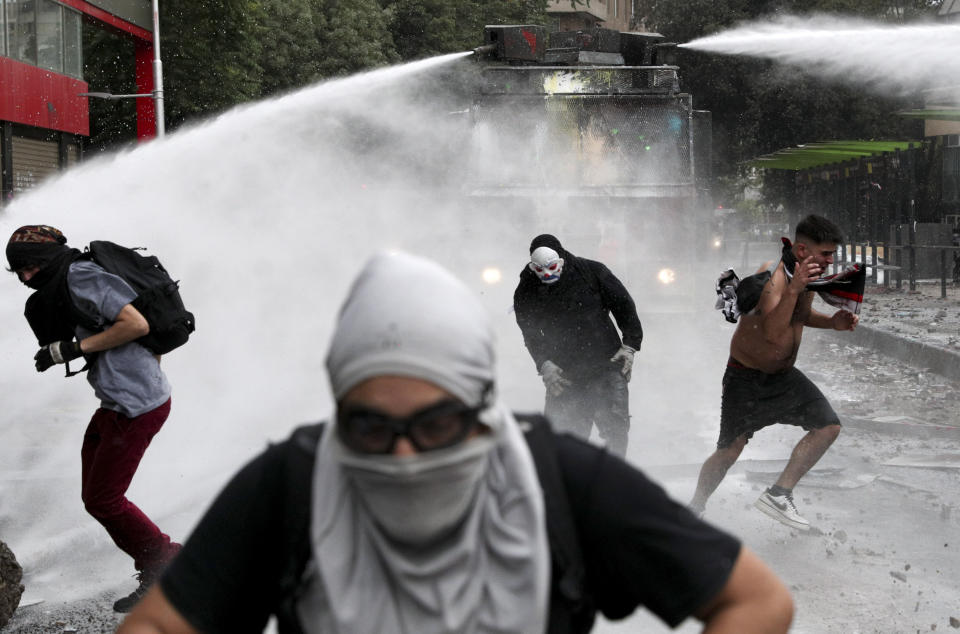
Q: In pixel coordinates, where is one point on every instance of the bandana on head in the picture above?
(446, 541)
(34, 245)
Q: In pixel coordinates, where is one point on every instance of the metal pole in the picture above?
(943, 273)
(913, 252)
(899, 262)
(157, 73)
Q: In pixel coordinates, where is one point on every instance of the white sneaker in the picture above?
(782, 509)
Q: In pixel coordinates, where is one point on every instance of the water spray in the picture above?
(879, 55)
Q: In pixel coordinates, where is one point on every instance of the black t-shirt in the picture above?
(639, 547)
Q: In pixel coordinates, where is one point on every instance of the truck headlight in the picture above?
(491, 275)
(667, 276)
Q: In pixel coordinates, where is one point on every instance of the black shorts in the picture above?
(753, 400)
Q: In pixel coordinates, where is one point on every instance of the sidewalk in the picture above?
(917, 327)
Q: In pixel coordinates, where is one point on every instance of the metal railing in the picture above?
(875, 255)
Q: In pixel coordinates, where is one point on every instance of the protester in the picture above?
(425, 506)
(563, 305)
(133, 391)
(761, 386)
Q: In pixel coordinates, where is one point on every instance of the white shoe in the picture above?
(782, 509)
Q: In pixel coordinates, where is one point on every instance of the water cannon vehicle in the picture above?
(590, 133)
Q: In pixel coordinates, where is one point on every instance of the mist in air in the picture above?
(265, 214)
(879, 56)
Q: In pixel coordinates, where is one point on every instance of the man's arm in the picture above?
(129, 325)
(532, 335)
(154, 614)
(779, 298)
(753, 600)
(618, 301)
(840, 320)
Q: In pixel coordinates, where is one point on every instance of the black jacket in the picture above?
(568, 322)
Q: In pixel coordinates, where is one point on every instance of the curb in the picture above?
(916, 353)
(907, 428)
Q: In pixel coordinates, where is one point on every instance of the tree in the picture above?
(211, 56)
(353, 35)
(290, 49)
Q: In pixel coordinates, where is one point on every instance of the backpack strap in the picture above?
(301, 454)
(571, 608)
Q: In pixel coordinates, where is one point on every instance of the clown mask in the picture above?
(547, 264)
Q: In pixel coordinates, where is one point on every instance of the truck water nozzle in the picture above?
(487, 49)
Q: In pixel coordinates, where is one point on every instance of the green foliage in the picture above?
(290, 50)
(211, 56)
(353, 36)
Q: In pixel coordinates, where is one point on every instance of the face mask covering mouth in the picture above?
(416, 499)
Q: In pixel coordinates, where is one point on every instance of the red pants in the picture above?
(112, 448)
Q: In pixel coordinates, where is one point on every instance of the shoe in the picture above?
(782, 509)
(697, 511)
(125, 604)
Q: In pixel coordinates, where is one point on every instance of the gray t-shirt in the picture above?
(128, 378)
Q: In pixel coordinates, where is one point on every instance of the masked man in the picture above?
(133, 391)
(425, 505)
(563, 305)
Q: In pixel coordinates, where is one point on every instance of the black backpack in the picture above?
(158, 295)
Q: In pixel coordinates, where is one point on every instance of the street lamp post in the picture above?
(157, 93)
(157, 71)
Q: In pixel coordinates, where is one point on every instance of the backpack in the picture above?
(158, 295)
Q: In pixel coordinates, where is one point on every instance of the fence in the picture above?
(875, 256)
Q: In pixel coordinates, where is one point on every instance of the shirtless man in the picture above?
(761, 387)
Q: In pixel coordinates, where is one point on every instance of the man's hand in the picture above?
(844, 320)
(804, 273)
(555, 383)
(624, 355)
(56, 352)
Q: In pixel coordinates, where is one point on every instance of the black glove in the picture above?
(57, 352)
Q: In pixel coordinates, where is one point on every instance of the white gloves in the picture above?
(624, 355)
(555, 383)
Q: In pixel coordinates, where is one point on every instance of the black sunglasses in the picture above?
(437, 426)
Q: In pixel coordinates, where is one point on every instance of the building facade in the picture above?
(44, 116)
(609, 14)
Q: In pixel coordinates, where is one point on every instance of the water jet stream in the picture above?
(882, 56)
